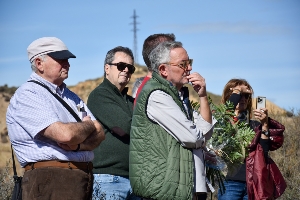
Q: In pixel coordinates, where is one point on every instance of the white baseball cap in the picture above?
(51, 46)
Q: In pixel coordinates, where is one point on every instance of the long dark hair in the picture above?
(233, 83)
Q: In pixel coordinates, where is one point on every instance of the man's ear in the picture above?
(38, 63)
(163, 70)
(106, 69)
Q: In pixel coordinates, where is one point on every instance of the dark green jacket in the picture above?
(160, 168)
(112, 109)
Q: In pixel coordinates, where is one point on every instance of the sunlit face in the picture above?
(53, 70)
(242, 105)
(175, 74)
(119, 78)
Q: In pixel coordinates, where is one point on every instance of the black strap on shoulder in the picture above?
(17, 190)
(60, 100)
(13, 160)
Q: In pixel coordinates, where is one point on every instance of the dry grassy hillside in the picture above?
(285, 157)
(83, 89)
(4, 101)
(5, 151)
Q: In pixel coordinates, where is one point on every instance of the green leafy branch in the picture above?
(229, 140)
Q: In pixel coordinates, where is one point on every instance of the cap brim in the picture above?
(61, 55)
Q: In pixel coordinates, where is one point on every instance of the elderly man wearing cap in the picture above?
(45, 128)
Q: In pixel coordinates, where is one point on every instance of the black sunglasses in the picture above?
(246, 95)
(121, 66)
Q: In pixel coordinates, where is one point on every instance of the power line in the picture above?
(135, 50)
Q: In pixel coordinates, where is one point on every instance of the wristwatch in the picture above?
(265, 132)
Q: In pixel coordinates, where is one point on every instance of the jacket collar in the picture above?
(54, 88)
(107, 83)
(165, 82)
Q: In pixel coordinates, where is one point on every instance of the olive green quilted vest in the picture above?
(159, 167)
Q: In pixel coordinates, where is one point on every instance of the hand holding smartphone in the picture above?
(260, 102)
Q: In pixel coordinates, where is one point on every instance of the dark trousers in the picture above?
(201, 196)
(57, 183)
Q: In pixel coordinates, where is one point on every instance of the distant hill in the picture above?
(83, 89)
(284, 157)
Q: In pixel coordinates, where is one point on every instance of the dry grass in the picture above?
(287, 157)
(6, 181)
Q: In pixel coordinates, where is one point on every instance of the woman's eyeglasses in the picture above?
(121, 66)
(246, 95)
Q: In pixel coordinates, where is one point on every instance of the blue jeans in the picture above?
(235, 190)
(112, 187)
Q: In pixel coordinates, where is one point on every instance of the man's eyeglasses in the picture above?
(121, 66)
(183, 64)
(246, 95)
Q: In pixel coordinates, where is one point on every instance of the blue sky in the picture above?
(257, 40)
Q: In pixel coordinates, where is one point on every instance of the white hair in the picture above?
(161, 54)
(42, 57)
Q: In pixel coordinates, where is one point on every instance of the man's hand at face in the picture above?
(198, 83)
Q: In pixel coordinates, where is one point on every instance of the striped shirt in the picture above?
(32, 109)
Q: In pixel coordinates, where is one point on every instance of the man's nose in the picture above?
(126, 69)
(189, 68)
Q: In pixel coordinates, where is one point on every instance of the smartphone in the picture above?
(260, 102)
